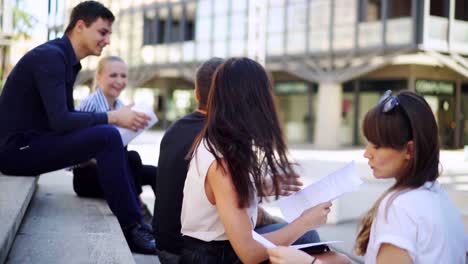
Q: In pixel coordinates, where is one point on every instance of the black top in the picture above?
(38, 94)
(170, 180)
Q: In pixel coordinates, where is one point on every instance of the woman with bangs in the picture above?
(240, 148)
(414, 221)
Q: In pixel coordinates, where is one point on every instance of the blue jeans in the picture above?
(309, 237)
(37, 153)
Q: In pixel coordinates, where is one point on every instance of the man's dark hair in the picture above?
(89, 12)
(204, 76)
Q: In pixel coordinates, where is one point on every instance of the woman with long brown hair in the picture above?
(239, 149)
(414, 221)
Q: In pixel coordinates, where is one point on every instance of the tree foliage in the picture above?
(23, 22)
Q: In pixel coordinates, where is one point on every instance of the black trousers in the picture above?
(196, 251)
(86, 181)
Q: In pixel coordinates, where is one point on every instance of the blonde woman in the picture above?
(110, 80)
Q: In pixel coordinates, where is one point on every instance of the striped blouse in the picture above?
(97, 102)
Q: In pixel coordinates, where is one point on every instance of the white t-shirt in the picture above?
(422, 221)
(199, 218)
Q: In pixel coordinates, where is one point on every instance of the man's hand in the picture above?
(288, 184)
(127, 118)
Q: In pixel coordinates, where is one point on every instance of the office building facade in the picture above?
(331, 60)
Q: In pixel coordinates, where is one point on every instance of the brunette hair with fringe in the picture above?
(411, 120)
(242, 128)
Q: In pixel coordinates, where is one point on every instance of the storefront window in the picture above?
(348, 110)
(293, 99)
(441, 97)
(464, 116)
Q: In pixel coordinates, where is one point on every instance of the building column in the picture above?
(329, 104)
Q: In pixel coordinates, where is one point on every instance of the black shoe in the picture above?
(147, 227)
(166, 257)
(140, 239)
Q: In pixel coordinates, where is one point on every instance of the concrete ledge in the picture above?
(60, 227)
(15, 195)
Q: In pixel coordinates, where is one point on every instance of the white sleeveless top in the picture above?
(199, 218)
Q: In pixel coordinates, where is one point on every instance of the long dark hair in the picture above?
(242, 128)
(412, 119)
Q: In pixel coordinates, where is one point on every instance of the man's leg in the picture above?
(44, 153)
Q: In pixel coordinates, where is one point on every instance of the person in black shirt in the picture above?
(172, 166)
(41, 132)
(172, 172)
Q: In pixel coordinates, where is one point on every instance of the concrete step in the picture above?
(60, 227)
(15, 196)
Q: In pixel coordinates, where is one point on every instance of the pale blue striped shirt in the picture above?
(97, 103)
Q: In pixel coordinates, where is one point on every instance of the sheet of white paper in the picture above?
(128, 134)
(327, 188)
(260, 239)
(315, 244)
(268, 244)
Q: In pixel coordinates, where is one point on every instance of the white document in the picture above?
(268, 244)
(128, 134)
(326, 189)
(262, 240)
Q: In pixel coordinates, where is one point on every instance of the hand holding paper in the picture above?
(127, 134)
(326, 189)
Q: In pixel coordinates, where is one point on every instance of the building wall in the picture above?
(306, 43)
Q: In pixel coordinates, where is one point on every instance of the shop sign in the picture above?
(435, 87)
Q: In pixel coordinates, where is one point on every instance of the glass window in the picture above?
(370, 10)
(347, 116)
(297, 17)
(204, 8)
(296, 42)
(220, 27)
(237, 47)
(440, 96)
(239, 5)
(221, 7)
(188, 51)
(461, 10)
(464, 117)
(293, 105)
(238, 25)
(276, 2)
(203, 29)
(203, 50)
(275, 20)
(220, 49)
(439, 8)
(399, 8)
(275, 44)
